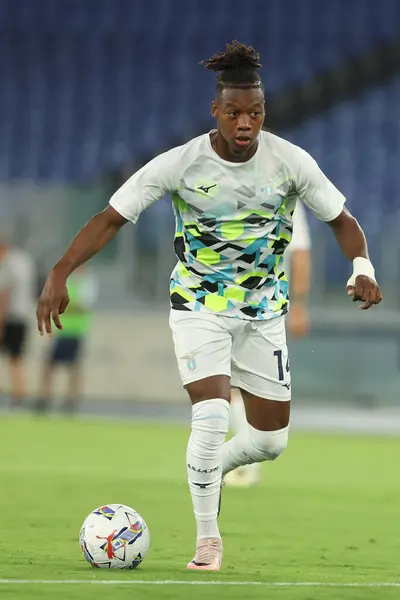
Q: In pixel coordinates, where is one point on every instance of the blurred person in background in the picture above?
(17, 297)
(297, 264)
(68, 345)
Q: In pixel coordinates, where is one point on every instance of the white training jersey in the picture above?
(233, 221)
(17, 276)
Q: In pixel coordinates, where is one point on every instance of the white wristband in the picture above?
(361, 266)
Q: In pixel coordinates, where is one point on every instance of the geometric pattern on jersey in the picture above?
(233, 220)
(230, 253)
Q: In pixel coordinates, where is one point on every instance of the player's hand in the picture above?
(365, 290)
(53, 302)
(297, 320)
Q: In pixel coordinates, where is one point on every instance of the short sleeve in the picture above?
(157, 178)
(316, 190)
(301, 234)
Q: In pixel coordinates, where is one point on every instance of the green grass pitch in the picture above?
(327, 512)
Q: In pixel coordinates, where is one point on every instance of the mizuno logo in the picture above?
(206, 188)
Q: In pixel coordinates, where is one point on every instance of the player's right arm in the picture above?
(89, 241)
(146, 186)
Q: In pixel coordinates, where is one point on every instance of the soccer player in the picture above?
(68, 347)
(297, 265)
(234, 192)
(17, 298)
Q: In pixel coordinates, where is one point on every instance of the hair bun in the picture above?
(236, 56)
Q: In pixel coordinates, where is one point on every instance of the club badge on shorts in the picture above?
(191, 364)
(191, 360)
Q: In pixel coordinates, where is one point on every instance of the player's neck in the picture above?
(221, 147)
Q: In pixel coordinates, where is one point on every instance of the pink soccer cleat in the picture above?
(208, 555)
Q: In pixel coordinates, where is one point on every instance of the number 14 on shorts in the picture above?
(278, 355)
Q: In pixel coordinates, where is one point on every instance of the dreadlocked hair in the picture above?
(237, 66)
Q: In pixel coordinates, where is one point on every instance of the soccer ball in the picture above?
(114, 537)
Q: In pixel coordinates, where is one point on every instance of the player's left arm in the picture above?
(351, 239)
(327, 203)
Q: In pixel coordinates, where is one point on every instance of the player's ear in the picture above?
(214, 109)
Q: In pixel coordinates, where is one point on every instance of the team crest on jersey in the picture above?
(269, 188)
(206, 188)
(277, 185)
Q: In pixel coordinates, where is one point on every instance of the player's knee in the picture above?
(210, 423)
(211, 416)
(268, 445)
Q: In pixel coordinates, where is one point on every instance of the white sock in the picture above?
(210, 422)
(238, 421)
(252, 446)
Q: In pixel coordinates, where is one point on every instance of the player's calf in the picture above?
(210, 421)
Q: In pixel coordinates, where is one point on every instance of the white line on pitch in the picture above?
(377, 584)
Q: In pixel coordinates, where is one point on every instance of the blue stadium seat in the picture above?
(88, 85)
(357, 144)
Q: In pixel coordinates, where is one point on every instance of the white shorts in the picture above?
(253, 353)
